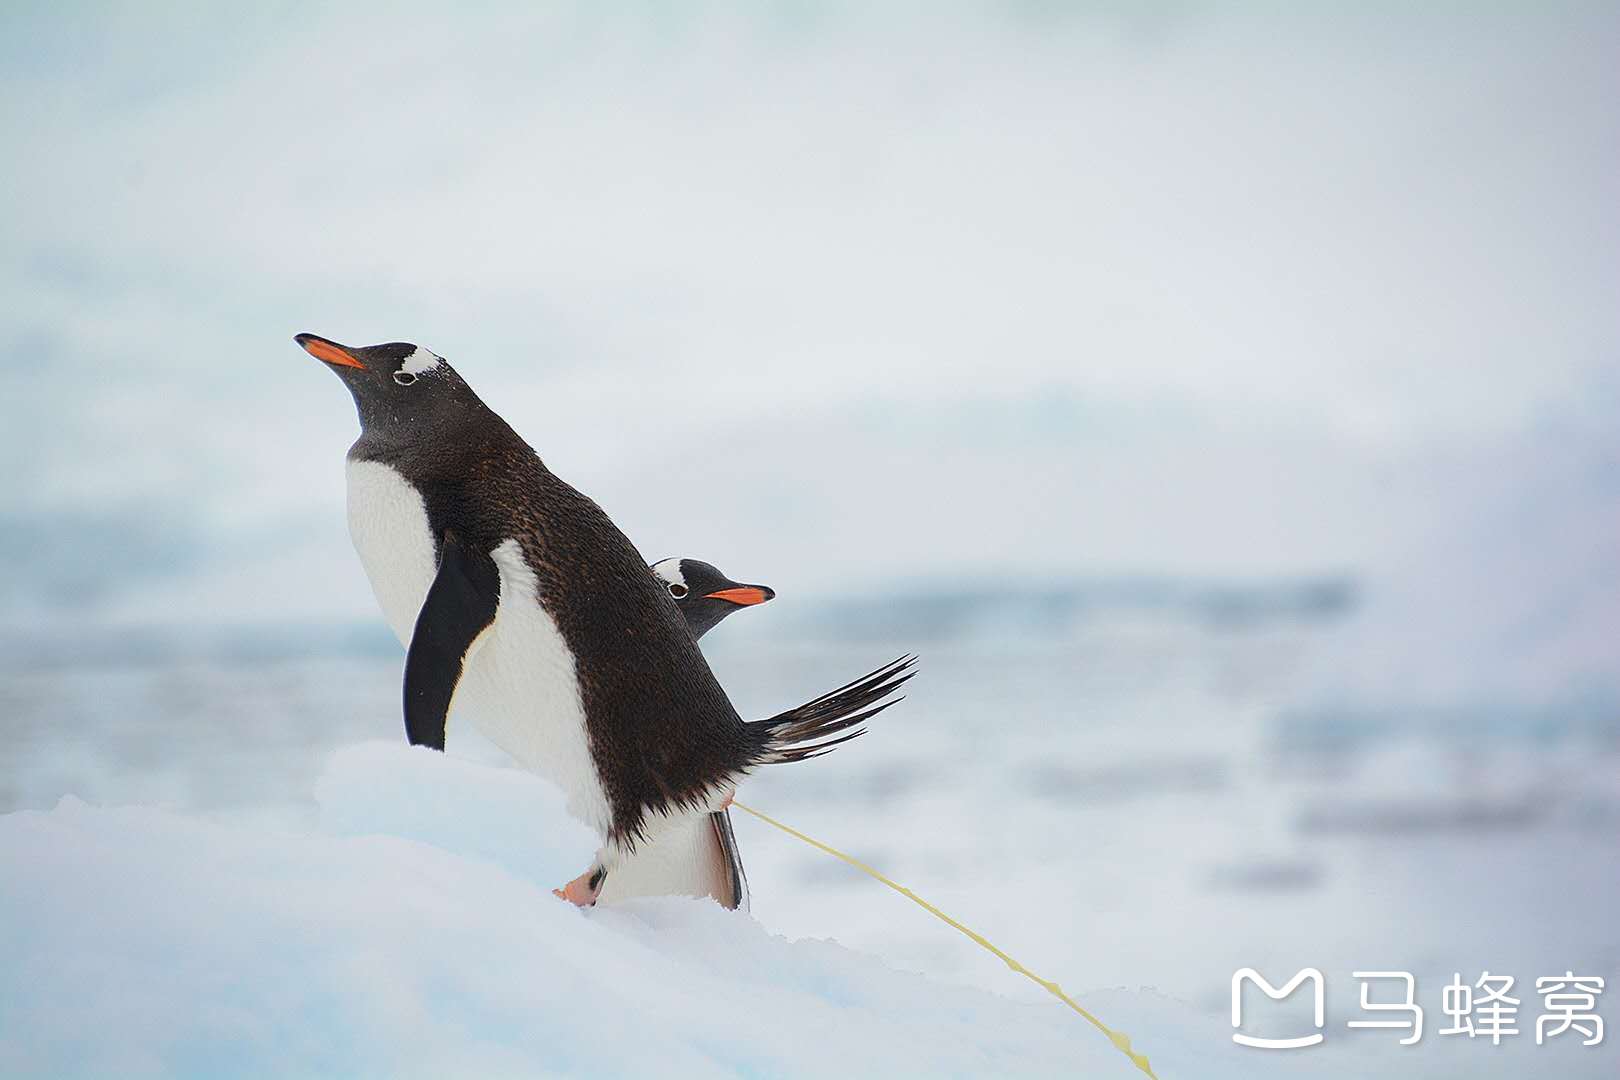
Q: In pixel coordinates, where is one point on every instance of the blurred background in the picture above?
(1220, 399)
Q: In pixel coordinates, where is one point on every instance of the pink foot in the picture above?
(726, 802)
(583, 890)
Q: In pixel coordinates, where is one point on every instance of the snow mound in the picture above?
(412, 933)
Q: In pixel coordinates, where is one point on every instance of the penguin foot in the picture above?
(583, 890)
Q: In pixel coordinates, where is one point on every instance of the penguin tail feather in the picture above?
(816, 727)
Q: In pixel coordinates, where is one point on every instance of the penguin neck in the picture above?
(397, 421)
(704, 614)
(390, 438)
(453, 431)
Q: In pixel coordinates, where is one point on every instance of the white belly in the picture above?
(518, 688)
(684, 859)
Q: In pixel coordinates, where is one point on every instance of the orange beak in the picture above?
(744, 595)
(328, 351)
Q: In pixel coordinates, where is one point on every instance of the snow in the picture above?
(410, 931)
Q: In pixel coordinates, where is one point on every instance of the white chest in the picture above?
(389, 526)
(519, 688)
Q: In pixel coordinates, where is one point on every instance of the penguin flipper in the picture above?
(734, 895)
(460, 607)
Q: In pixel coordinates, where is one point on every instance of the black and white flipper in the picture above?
(733, 880)
(459, 609)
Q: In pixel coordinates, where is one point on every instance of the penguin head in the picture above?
(395, 386)
(704, 594)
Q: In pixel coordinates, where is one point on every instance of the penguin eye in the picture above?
(404, 378)
(677, 590)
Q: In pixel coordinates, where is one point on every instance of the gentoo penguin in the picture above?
(704, 594)
(522, 605)
(701, 858)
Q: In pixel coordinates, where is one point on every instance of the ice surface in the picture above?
(1063, 831)
(412, 933)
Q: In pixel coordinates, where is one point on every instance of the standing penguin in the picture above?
(525, 607)
(700, 856)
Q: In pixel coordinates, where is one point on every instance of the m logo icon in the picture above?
(1308, 974)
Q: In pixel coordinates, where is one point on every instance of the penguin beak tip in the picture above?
(329, 352)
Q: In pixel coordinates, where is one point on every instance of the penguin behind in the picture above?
(701, 858)
(522, 605)
(705, 595)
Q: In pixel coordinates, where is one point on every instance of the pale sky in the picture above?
(832, 293)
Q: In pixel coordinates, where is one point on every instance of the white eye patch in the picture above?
(670, 571)
(419, 361)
